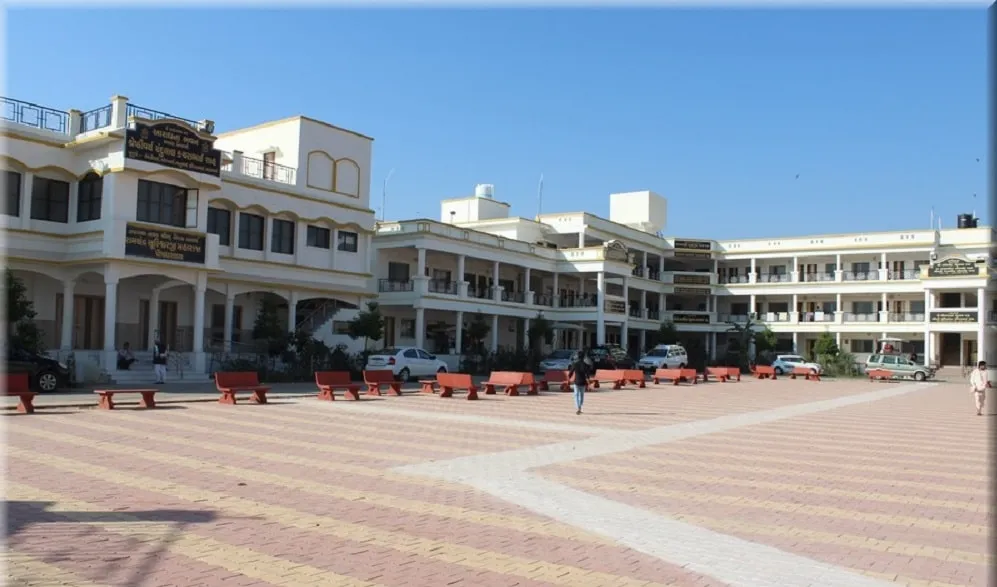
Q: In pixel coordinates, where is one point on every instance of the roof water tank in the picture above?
(965, 221)
(484, 190)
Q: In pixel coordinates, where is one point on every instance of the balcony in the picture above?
(443, 287)
(72, 123)
(577, 302)
(911, 274)
(733, 318)
(861, 317)
(479, 293)
(991, 316)
(774, 317)
(817, 277)
(517, 297)
(775, 278)
(906, 317)
(259, 169)
(394, 285)
(653, 314)
(635, 312)
(816, 317)
(35, 116)
(734, 279)
(860, 275)
(544, 300)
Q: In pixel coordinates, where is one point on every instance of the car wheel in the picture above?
(441, 370)
(47, 381)
(778, 371)
(919, 376)
(681, 365)
(404, 375)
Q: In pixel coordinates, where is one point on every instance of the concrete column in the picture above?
(837, 339)
(752, 304)
(68, 305)
(368, 252)
(267, 237)
(119, 112)
(981, 329)
(110, 321)
(526, 334)
(928, 347)
(643, 340)
(526, 281)
(713, 345)
(557, 298)
(661, 267)
(794, 315)
(884, 270)
(334, 245)
(199, 291)
(795, 270)
(495, 327)
(154, 333)
(461, 284)
(292, 311)
(600, 302)
(496, 291)
(661, 307)
(752, 277)
(301, 241)
(839, 269)
(420, 266)
(796, 342)
(581, 238)
(420, 327)
(884, 314)
(625, 334)
(229, 311)
(459, 334)
(643, 263)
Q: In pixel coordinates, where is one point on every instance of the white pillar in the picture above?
(600, 302)
(752, 277)
(292, 311)
(796, 342)
(795, 270)
(526, 280)
(68, 320)
(420, 327)
(557, 298)
(794, 315)
(199, 291)
(526, 334)
(838, 270)
(154, 333)
(110, 321)
(837, 339)
(495, 333)
(661, 266)
(884, 271)
(661, 306)
(643, 340)
(459, 334)
(713, 345)
(334, 247)
(368, 253)
(420, 267)
(229, 311)
(496, 293)
(981, 329)
(752, 304)
(581, 238)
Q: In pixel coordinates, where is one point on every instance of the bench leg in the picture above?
(641, 383)
(489, 389)
(373, 389)
(395, 389)
(148, 400)
(227, 398)
(26, 404)
(472, 393)
(544, 386)
(655, 381)
(106, 402)
(532, 389)
(565, 387)
(352, 393)
(595, 384)
(617, 385)
(326, 394)
(512, 390)
(446, 391)
(259, 397)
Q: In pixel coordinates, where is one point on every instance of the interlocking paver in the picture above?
(303, 492)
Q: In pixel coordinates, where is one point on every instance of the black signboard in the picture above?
(692, 255)
(172, 144)
(691, 318)
(691, 279)
(165, 244)
(692, 291)
(693, 245)
(953, 267)
(954, 317)
(616, 307)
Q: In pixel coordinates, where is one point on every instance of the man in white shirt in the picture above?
(979, 381)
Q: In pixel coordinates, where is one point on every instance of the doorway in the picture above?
(168, 325)
(143, 322)
(951, 343)
(88, 321)
(970, 352)
(389, 331)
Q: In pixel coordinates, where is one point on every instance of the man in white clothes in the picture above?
(979, 381)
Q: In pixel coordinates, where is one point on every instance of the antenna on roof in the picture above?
(540, 196)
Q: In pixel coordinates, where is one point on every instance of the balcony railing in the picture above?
(544, 300)
(816, 317)
(149, 114)
(518, 297)
(35, 116)
(906, 317)
(734, 318)
(443, 287)
(96, 118)
(773, 317)
(636, 313)
(653, 314)
(861, 317)
(734, 279)
(479, 293)
(991, 316)
(654, 274)
(860, 275)
(774, 278)
(394, 285)
(577, 302)
(817, 277)
(637, 272)
(260, 169)
(905, 274)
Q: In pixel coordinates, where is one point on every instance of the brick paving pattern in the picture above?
(302, 492)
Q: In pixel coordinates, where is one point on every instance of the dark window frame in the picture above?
(224, 233)
(13, 185)
(343, 241)
(161, 203)
(50, 200)
(282, 236)
(319, 237)
(89, 197)
(249, 239)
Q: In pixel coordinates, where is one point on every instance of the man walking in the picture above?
(579, 373)
(159, 361)
(979, 381)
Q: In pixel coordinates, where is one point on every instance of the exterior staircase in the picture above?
(142, 373)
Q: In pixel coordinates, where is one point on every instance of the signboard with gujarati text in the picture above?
(691, 279)
(690, 318)
(171, 144)
(953, 267)
(693, 245)
(164, 244)
(954, 317)
(692, 291)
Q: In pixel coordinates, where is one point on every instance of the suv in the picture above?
(44, 373)
(664, 356)
(900, 365)
(611, 357)
(786, 364)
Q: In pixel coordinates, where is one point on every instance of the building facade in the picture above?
(615, 280)
(130, 225)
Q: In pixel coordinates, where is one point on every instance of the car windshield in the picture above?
(561, 355)
(792, 359)
(658, 353)
(388, 352)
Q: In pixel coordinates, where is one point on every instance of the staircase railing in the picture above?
(317, 316)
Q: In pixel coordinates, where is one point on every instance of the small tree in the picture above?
(743, 334)
(826, 346)
(477, 330)
(22, 331)
(368, 325)
(269, 330)
(541, 329)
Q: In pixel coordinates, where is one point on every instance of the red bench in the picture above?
(450, 381)
(230, 383)
(880, 374)
(561, 378)
(329, 381)
(106, 401)
(764, 372)
(635, 376)
(19, 385)
(510, 381)
(614, 376)
(676, 376)
(722, 374)
(375, 379)
(805, 372)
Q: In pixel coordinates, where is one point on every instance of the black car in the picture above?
(611, 357)
(46, 374)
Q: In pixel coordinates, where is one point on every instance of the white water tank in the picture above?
(484, 190)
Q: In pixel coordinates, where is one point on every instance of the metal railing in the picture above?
(654, 274)
(817, 277)
(906, 317)
(518, 297)
(636, 313)
(773, 316)
(543, 300)
(393, 285)
(734, 279)
(860, 275)
(861, 317)
(637, 272)
(774, 278)
(479, 293)
(34, 115)
(149, 114)
(653, 314)
(816, 317)
(905, 274)
(443, 287)
(96, 118)
(260, 169)
(735, 318)
(577, 302)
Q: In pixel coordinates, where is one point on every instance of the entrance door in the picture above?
(168, 324)
(143, 323)
(88, 322)
(950, 351)
(970, 352)
(389, 331)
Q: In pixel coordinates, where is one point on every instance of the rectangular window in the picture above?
(865, 345)
(398, 271)
(863, 307)
(860, 267)
(161, 203)
(12, 194)
(406, 328)
(88, 198)
(220, 223)
(50, 200)
(347, 241)
(282, 239)
(251, 231)
(319, 237)
(269, 159)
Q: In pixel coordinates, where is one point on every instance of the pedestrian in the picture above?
(579, 373)
(159, 361)
(979, 381)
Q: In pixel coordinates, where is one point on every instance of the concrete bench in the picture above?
(510, 382)
(613, 376)
(375, 379)
(106, 401)
(448, 382)
(805, 372)
(231, 383)
(722, 374)
(561, 378)
(676, 376)
(19, 385)
(764, 372)
(329, 381)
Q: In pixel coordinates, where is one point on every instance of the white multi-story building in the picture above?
(611, 281)
(127, 225)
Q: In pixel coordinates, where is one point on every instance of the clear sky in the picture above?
(881, 113)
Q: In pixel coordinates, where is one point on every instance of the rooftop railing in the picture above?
(150, 114)
(34, 115)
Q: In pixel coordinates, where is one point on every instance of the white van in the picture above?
(664, 356)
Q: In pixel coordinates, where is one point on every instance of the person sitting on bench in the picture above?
(125, 357)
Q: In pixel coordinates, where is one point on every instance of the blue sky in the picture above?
(881, 113)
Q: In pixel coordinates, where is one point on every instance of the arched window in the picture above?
(88, 198)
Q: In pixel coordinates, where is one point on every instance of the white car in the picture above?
(664, 356)
(405, 363)
(558, 360)
(786, 364)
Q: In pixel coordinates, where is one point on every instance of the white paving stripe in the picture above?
(737, 562)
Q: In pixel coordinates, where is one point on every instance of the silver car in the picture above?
(902, 366)
(558, 360)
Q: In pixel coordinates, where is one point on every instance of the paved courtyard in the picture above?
(754, 484)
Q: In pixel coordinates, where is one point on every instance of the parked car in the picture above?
(611, 357)
(786, 364)
(558, 360)
(900, 365)
(46, 374)
(406, 363)
(664, 356)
